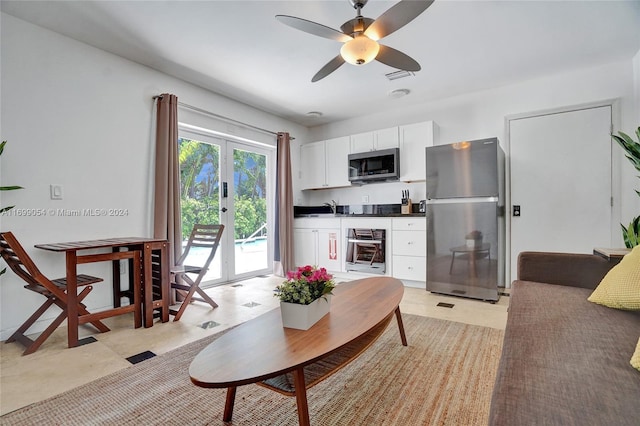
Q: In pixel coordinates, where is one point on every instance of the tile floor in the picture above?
(54, 368)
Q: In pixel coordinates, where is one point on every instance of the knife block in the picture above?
(406, 208)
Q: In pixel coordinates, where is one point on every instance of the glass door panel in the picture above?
(250, 189)
(200, 197)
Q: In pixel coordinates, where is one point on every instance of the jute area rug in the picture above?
(444, 377)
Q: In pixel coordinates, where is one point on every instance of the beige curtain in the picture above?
(283, 253)
(166, 215)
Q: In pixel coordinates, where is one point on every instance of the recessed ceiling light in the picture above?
(398, 93)
(314, 114)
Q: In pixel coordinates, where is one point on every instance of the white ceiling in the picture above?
(238, 48)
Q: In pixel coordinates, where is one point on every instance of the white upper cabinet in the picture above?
(312, 158)
(337, 162)
(325, 164)
(414, 138)
(375, 141)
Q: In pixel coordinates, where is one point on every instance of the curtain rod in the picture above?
(231, 120)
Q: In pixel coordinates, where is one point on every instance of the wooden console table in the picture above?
(262, 350)
(145, 246)
(609, 253)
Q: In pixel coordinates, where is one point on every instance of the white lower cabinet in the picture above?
(317, 242)
(410, 248)
(412, 268)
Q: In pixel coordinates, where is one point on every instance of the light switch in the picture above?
(56, 191)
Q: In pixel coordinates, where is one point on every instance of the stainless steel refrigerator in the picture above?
(465, 219)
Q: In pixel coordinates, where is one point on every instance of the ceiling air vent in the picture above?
(399, 74)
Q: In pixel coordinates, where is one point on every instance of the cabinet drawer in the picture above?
(410, 224)
(410, 243)
(316, 223)
(410, 268)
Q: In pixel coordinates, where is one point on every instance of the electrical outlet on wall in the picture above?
(56, 191)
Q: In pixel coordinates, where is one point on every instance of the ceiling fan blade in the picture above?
(313, 28)
(395, 58)
(396, 17)
(330, 67)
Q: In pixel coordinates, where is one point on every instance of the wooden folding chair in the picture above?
(203, 236)
(54, 290)
(364, 250)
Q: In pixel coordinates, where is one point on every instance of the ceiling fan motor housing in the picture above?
(356, 25)
(358, 4)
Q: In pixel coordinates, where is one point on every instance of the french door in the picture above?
(229, 183)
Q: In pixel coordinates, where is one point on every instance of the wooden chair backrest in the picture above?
(207, 236)
(19, 261)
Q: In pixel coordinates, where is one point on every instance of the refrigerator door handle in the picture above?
(463, 200)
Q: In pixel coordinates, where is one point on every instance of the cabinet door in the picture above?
(312, 157)
(410, 243)
(387, 138)
(410, 268)
(337, 162)
(416, 223)
(329, 256)
(362, 142)
(414, 138)
(306, 246)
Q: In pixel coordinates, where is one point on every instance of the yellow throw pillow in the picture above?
(635, 358)
(620, 288)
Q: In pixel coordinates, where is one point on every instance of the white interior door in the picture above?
(561, 181)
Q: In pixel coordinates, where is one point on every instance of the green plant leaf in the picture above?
(4, 209)
(10, 188)
(631, 234)
(2, 146)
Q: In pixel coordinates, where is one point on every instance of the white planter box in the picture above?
(302, 317)
(474, 243)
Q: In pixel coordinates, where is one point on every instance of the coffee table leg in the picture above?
(403, 336)
(301, 397)
(228, 406)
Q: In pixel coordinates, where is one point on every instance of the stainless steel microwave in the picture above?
(374, 166)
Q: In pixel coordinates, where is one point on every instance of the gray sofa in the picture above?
(565, 360)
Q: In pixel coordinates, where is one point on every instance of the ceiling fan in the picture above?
(360, 36)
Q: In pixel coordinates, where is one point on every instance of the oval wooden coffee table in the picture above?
(290, 361)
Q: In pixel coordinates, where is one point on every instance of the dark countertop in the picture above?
(355, 211)
(356, 215)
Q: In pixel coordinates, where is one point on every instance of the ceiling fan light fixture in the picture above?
(359, 51)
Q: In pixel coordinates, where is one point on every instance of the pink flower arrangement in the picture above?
(305, 285)
(310, 273)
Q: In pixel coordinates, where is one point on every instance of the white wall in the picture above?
(81, 117)
(482, 114)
